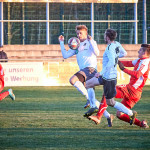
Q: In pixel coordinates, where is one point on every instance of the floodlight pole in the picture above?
(92, 20)
(1, 24)
(144, 23)
(135, 24)
(47, 23)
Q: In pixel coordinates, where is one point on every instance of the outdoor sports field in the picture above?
(52, 118)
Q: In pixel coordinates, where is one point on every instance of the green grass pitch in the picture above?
(52, 118)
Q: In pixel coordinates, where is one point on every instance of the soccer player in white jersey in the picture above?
(131, 93)
(108, 76)
(87, 61)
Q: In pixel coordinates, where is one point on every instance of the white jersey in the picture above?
(86, 53)
(110, 59)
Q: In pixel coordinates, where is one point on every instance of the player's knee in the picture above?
(118, 114)
(110, 102)
(73, 79)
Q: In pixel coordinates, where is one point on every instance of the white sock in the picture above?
(93, 101)
(80, 87)
(97, 103)
(122, 108)
(91, 95)
(106, 114)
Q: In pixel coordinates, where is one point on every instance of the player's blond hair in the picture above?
(81, 27)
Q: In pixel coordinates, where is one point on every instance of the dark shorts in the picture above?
(109, 87)
(86, 73)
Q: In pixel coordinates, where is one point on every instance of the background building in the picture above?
(42, 22)
(29, 31)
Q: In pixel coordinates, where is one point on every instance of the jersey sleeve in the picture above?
(135, 74)
(94, 47)
(141, 70)
(66, 54)
(135, 61)
(123, 52)
(127, 63)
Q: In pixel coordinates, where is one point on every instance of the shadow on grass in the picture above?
(70, 138)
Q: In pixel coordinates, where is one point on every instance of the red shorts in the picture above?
(130, 97)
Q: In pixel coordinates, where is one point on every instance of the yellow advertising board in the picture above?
(74, 1)
(48, 74)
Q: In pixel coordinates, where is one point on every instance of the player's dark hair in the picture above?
(112, 34)
(146, 47)
(81, 27)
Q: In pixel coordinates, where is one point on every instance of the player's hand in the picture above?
(121, 66)
(61, 38)
(97, 75)
(89, 37)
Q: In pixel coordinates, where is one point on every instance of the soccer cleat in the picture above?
(95, 119)
(87, 104)
(110, 120)
(144, 124)
(90, 112)
(132, 118)
(11, 94)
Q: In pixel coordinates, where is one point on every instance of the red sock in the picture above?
(137, 122)
(102, 107)
(3, 95)
(126, 118)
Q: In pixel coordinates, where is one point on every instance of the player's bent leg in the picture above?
(92, 82)
(73, 79)
(77, 81)
(91, 96)
(111, 102)
(93, 102)
(102, 107)
(3, 95)
(123, 116)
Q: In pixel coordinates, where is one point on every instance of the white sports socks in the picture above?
(106, 114)
(80, 87)
(91, 95)
(122, 108)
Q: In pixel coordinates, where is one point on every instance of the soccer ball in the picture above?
(74, 43)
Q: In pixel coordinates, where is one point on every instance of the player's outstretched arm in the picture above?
(93, 45)
(61, 38)
(65, 54)
(135, 74)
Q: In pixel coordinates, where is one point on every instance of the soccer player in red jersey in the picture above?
(6, 93)
(130, 93)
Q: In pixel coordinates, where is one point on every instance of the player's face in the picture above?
(82, 35)
(141, 53)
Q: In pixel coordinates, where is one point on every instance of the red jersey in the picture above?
(1, 72)
(139, 74)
